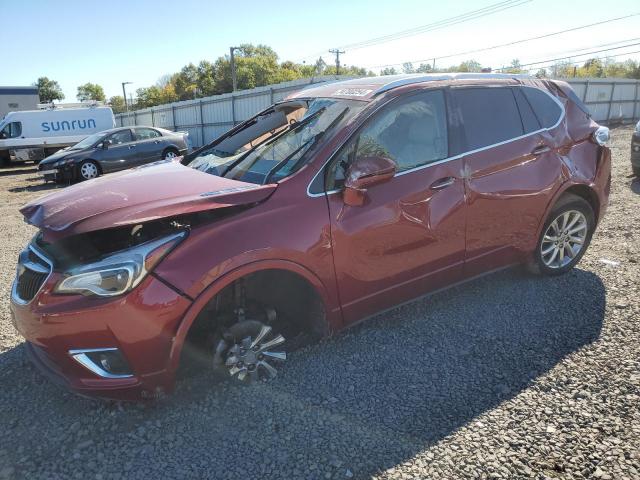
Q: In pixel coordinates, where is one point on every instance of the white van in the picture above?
(35, 134)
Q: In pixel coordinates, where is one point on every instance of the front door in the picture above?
(408, 237)
(121, 152)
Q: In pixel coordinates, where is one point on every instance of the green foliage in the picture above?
(596, 67)
(48, 90)
(256, 66)
(91, 91)
(117, 104)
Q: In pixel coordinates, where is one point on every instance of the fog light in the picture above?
(636, 148)
(104, 362)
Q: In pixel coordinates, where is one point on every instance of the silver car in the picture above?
(113, 150)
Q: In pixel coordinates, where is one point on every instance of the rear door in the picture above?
(121, 152)
(149, 143)
(511, 171)
(408, 237)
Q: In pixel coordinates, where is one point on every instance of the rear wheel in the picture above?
(565, 236)
(88, 170)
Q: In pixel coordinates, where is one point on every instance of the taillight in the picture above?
(601, 136)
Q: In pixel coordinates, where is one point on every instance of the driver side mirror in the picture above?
(364, 173)
(106, 144)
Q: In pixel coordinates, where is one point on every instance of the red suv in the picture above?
(343, 200)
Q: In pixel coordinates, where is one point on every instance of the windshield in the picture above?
(90, 141)
(281, 151)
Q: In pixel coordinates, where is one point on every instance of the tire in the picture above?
(170, 153)
(561, 246)
(88, 170)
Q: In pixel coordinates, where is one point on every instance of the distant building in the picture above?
(14, 99)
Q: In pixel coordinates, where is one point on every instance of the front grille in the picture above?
(33, 270)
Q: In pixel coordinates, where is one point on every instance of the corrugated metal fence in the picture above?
(209, 117)
(611, 101)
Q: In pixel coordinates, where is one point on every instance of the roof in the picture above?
(365, 88)
(18, 90)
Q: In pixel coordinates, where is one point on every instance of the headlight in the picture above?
(65, 161)
(601, 136)
(637, 130)
(120, 272)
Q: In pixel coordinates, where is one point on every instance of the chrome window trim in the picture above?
(81, 357)
(14, 288)
(456, 157)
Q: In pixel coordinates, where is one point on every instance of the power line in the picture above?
(508, 44)
(465, 17)
(551, 65)
(572, 56)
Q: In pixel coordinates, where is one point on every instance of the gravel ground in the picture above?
(510, 376)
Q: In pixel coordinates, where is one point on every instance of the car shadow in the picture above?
(39, 187)
(365, 400)
(4, 172)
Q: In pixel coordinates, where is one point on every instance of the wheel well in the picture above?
(299, 311)
(588, 194)
(169, 149)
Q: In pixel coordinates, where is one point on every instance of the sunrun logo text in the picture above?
(66, 125)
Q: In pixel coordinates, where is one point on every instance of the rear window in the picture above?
(545, 108)
(489, 115)
(529, 120)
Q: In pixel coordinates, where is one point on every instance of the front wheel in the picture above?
(565, 236)
(88, 170)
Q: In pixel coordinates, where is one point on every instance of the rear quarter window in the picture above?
(546, 109)
(489, 115)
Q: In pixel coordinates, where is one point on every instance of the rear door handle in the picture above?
(442, 183)
(540, 150)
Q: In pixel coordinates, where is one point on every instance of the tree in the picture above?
(424, 68)
(117, 104)
(90, 91)
(407, 67)
(388, 71)
(48, 90)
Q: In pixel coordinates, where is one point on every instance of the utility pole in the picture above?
(337, 52)
(124, 96)
(234, 80)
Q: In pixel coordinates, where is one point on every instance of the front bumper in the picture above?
(63, 173)
(141, 325)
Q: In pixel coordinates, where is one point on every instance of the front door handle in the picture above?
(540, 150)
(442, 183)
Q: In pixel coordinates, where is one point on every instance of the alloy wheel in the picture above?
(250, 357)
(170, 154)
(564, 239)
(88, 171)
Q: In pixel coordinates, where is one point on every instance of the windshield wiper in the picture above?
(290, 128)
(311, 142)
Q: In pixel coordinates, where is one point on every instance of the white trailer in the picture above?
(35, 134)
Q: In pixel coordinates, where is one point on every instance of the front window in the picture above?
(88, 142)
(275, 145)
(11, 130)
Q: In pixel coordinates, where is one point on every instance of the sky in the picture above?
(139, 41)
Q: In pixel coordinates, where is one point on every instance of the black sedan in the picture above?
(113, 150)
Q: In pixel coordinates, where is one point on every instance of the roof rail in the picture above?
(434, 77)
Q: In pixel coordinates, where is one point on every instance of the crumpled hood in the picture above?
(154, 191)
